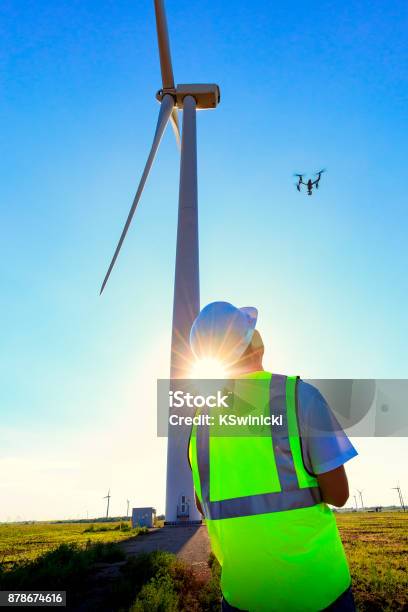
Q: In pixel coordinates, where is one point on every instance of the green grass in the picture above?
(122, 526)
(66, 568)
(20, 542)
(376, 545)
(169, 585)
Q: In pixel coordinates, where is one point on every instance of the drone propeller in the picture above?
(321, 171)
(298, 175)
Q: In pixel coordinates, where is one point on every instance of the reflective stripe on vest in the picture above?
(296, 490)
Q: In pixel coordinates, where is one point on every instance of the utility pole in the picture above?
(108, 496)
(361, 498)
(398, 488)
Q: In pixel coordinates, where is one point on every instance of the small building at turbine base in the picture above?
(143, 517)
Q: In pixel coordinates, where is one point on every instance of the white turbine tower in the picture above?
(361, 498)
(398, 488)
(108, 496)
(188, 98)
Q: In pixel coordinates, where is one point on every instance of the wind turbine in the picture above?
(186, 305)
(127, 509)
(361, 498)
(108, 496)
(355, 501)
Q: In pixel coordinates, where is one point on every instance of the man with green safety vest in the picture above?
(264, 490)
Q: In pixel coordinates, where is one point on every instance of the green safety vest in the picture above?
(277, 542)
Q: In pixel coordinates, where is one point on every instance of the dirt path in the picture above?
(191, 544)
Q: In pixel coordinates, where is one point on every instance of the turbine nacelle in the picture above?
(206, 95)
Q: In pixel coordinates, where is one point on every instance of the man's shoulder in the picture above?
(311, 405)
(309, 392)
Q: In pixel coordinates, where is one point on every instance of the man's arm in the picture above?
(326, 446)
(334, 486)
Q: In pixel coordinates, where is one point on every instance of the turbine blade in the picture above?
(175, 125)
(164, 45)
(164, 115)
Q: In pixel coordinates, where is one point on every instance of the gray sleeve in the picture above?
(325, 445)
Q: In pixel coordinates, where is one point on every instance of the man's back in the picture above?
(269, 529)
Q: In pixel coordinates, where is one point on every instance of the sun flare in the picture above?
(208, 368)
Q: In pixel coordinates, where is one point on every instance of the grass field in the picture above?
(20, 542)
(377, 549)
(376, 545)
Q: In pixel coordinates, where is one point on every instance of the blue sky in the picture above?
(304, 86)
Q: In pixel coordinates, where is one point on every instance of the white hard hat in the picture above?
(222, 331)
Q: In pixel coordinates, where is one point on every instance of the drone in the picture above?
(309, 184)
